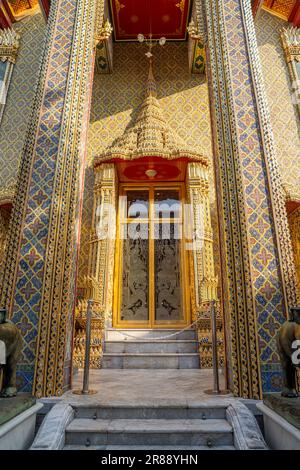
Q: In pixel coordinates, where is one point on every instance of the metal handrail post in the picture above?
(86, 372)
(216, 387)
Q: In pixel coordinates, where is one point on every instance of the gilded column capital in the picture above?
(9, 45)
(197, 39)
(194, 32)
(44, 297)
(291, 43)
(103, 28)
(202, 266)
(199, 177)
(103, 44)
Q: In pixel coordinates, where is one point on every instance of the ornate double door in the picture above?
(151, 276)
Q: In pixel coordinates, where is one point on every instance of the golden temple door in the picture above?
(151, 265)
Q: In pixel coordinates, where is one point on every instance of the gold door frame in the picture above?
(184, 271)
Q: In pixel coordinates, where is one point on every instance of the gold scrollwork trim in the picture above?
(193, 31)
(290, 38)
(104, 32)
(239, 296)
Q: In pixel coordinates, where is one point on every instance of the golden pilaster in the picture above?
(294, 223)
(98, 285)
(257, 268)
(205, 281)
(4, 224)
(102, 248)
(204, 288)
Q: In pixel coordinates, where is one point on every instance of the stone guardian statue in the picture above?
(12, 339)
(288, 344)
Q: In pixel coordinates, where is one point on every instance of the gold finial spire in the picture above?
(151, 83)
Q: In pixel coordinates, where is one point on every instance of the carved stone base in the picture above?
(288, 408)
(205, 337)
(96, 348)
(281, 421)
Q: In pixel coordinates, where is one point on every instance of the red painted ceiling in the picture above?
(166, 18)
(174, 170)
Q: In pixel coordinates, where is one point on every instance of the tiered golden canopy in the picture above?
(150, 135)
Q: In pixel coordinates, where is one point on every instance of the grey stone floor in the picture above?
(147, 387)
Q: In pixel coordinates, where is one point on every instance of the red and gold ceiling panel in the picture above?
(166, 18)
(283, 8)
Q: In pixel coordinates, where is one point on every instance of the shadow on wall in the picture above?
(124, 88)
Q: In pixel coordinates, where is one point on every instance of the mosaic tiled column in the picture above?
(9, 45)
(40, 275)
(98, 284)
(258, 274)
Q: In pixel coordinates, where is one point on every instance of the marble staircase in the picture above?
(150, 349)
(149, 410)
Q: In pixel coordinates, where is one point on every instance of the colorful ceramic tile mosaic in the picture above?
(20, 97)
(39, 281)
(256, 306)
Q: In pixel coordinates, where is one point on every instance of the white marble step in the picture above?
(158, 412)
(150, 432)
(149, 346)
(150, 361)
(141, 333)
